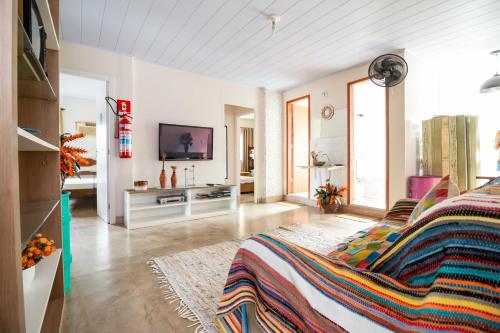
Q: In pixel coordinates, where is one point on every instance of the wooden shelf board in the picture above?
(32, 80)
(34, 214)
(53, 316)
(36, 296)
(48, 24)
(29, 142)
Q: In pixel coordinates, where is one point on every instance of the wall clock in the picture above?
(327, 112)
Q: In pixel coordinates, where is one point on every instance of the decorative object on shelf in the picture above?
(163, 174)
(36, 249)
(33, 25)
(173, 179)
(71, 157)
(327, 112)
(388, 70)
(329, 197)
(186, 141)
(33, 131)
(317, 155)
(141, 185)
(493, 83)
(186, 171)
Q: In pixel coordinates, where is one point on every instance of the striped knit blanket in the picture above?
(441, 275)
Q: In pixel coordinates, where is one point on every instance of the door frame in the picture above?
(109, 117)
(288, 110)
(350, 143)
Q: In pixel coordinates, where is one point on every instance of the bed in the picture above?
(246, 184)
(440, 274)
(84, 187)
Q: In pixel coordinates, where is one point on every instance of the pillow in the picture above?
(441, 191)
(401, 210)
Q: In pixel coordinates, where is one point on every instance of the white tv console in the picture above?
(142, 210)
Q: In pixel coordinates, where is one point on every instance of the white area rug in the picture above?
(195, 279)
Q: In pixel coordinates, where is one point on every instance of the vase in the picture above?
(163, 179)
(330, 209)
(173, 179)
(28, 277)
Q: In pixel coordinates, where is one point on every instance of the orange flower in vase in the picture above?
(71, 158)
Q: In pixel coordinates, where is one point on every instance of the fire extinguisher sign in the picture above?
(125, 128)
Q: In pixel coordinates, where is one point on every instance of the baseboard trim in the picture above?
(362, 210)
(276, 198)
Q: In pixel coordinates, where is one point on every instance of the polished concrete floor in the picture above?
(112, 287)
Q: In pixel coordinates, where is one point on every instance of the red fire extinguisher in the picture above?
(125, 128)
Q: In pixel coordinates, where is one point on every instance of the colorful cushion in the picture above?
(401, 210)
(364, 247)
(441, 191)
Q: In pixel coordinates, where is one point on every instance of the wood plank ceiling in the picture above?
(232, 40)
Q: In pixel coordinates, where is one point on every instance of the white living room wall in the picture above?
(333, 133)
(158, 94)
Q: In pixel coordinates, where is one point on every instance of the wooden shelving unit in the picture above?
(29, 172)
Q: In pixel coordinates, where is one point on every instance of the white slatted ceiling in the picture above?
(231, 39)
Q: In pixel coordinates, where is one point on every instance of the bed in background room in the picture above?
(246, 183)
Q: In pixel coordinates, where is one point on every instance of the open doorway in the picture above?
(83, 110)
(368, 142)
(240, 150)
(298, 150)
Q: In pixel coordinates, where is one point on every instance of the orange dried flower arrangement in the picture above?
(71, 157)
(36, 249)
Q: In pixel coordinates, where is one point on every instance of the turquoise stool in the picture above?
(66, 240)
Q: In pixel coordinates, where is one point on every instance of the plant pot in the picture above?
(330, 209)
(28, 277)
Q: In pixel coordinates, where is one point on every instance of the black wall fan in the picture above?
(388, 70)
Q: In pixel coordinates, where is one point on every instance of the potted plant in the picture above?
(34, 252)
(330, 197)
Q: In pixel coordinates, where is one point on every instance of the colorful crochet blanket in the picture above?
(441, 275)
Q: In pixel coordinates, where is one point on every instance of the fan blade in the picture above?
(396, 74)
(377, 67)
(378, 76)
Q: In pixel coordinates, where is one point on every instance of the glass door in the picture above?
(298, 147)
(368, 144)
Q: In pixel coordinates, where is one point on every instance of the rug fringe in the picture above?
(169, 294)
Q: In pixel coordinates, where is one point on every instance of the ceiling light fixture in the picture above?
(493, 83)
(274, 19)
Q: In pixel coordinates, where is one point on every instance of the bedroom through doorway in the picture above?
(83, 110)
(240, 150)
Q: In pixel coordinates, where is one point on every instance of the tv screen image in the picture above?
(180, 142)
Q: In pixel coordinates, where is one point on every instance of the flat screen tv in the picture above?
(180, 142)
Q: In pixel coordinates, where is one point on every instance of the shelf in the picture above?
(178, 188)
(29, 142)
(148, 206)
(200, 201)
(36, 296)
(34, 214)
(48, 24)
(32, 80)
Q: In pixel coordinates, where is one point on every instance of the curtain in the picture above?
(247, 141)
